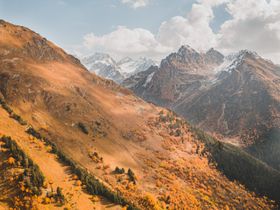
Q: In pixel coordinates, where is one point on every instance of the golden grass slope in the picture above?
(56, 174)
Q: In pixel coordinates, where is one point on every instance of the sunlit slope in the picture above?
(101, 126)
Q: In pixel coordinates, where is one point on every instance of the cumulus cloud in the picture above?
(136, 3)
(125, 41)
(255, 25)
(194, 29)
(212, 2)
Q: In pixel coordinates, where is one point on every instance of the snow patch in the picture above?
(149, 79)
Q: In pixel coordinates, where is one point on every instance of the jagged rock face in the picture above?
(214, 56)
(236, 96)
(241, 102)
(179, 74)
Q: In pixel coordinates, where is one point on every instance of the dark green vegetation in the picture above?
(82, 127)
(59, 196)
(32, 177)
(11, 112)
(119, 170)
(131, 176)
(238, 165)
(267, 148)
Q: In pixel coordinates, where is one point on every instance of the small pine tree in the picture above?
(131, 175)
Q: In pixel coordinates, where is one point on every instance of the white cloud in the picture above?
(212, 2)
(255, 25)
(136, 3)
(194, 29)
(125, 41)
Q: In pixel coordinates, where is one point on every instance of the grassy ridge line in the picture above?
(94, 185)
(238, 165)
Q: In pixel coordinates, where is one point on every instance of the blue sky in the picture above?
(155, 28)
(66, 21)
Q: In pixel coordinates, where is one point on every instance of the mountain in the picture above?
(129, 66)
(105, 66)
(78, 141)
(236, 96)
(179, 74)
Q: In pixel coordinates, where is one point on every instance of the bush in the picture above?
(18, 118)
(131, 176)
(5, 106)
(119, 170)
(59, 196)
(82, 127)
(34, 133)
(11, 113)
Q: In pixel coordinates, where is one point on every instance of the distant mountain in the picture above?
(105, 66)
(237, 96)
(129, 66)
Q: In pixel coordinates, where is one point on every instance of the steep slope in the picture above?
(267, 148)
(59, 175)
(244, 100)
(144, 154)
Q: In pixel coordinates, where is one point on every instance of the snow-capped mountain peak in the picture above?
(233, 60)
(104, 65)
(129, 66)
(125, 60)
(88, 61)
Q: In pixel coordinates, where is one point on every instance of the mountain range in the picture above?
(105, 66)
(73, 140)
(235, 97)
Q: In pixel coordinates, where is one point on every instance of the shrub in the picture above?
(59, 196)
(131, 175)
(119, 170)
(18, 118)
(82, 127)
(5, 106)
(11, 113)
